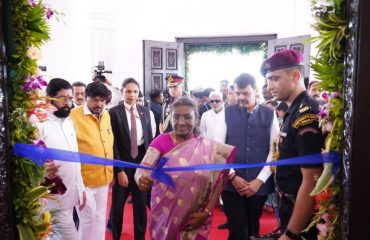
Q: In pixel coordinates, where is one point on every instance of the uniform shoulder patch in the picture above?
(304, 120)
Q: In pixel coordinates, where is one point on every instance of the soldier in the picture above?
(300, 135)
(175, 88)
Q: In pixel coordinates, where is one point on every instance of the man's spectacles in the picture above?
(215, 101)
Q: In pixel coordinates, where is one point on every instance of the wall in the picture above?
(113, 30)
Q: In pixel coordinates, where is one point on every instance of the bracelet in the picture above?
(291, 235)
(232, 178)
(208, 212)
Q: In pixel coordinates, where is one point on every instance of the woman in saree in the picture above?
(184, 212)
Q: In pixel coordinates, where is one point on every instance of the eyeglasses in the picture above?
(215, 101)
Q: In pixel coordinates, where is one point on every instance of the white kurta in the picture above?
(213, 125)
(60, 134)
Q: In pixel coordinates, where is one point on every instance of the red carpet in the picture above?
(268, 223)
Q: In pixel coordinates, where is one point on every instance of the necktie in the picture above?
(133, 134)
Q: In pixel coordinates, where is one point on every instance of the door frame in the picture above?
(226, 39)
(355, 211)
(7, 228)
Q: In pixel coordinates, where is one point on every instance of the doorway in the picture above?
(208, 60)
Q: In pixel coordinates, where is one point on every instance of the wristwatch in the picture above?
(291, 235)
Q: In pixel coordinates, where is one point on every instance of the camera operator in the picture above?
(116, 96)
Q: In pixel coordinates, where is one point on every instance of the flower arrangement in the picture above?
(329, 67)
(29, 28)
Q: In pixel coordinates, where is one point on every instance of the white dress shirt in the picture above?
(139, 127)
(213, 125)
(265, 173)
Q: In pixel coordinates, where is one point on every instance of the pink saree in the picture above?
(171, 207)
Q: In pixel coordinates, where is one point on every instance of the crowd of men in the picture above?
(98, 119)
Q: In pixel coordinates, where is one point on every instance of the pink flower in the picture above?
(34, 83)
(325, 96)
(324, 111)
(32, 3)
(49, 13)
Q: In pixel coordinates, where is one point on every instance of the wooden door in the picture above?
(160, 60)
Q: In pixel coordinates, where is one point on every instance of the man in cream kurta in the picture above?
(95, 137)
(58, 132)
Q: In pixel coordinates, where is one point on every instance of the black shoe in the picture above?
(109, 225)
(223, 226)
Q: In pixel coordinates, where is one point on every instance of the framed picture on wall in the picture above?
(157, 79)
(156, 57)
(298, 47)
(280, 48)
(171, 57)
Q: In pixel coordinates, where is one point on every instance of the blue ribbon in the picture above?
(40, 154)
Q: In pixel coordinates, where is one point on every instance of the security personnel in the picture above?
(300, 135)
(175, 88)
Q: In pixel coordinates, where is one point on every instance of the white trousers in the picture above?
(92, 217)
(63, 225)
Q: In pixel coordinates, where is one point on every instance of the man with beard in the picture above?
(95, 137)
(79, 95)
(59, 132)
(300, 135)
(251, 128)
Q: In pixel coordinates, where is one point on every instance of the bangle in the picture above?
(232, 178)
(291, 235)
(208, 212)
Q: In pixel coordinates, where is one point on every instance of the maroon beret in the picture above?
(173, 80)
(284, 59)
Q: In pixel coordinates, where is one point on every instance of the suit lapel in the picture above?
(140, 110)
(123, 117)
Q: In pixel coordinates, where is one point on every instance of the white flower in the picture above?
(33, 53)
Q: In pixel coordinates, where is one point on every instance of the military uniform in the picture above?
(165, 126)
(300, 135)
(166, 117)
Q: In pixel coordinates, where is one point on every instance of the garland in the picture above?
(243, 49)
(28, 30)
(329, 67)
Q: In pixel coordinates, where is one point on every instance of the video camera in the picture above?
(99, 70)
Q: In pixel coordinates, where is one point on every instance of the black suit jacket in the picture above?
(121, 133)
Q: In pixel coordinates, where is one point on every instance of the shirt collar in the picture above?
(254, 109)
(88, 112)
(223, 109)
(86, 109)
(128, 107)
(52, 117)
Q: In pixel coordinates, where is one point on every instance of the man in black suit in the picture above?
(156, 101)
(133, 132)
